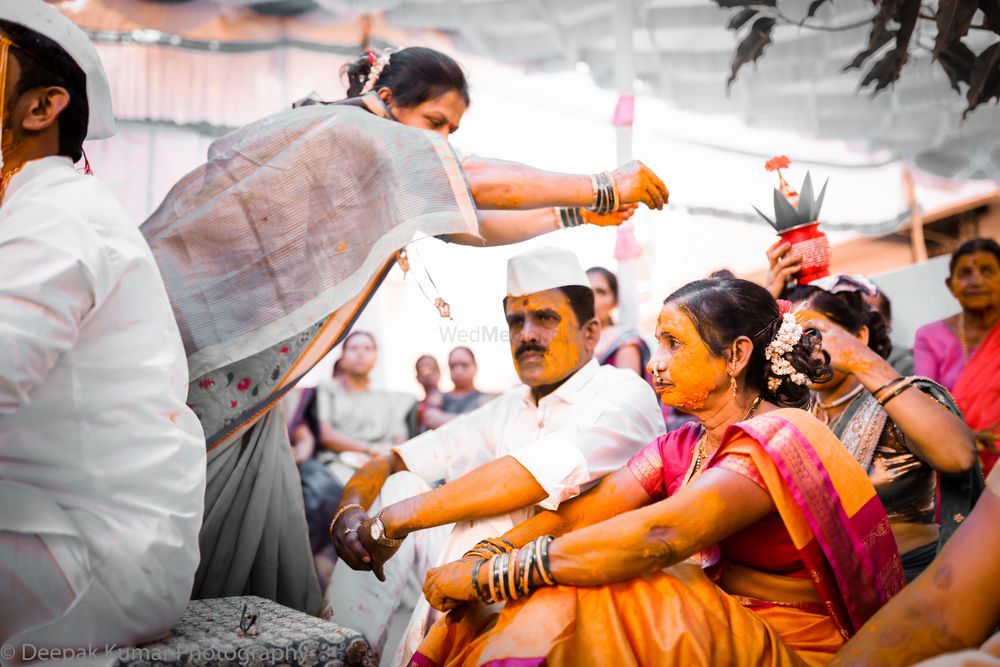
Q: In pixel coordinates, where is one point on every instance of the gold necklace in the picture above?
(700, 450)
(849, 396)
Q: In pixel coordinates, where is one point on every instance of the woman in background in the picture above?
(962, 352)
(619, 347)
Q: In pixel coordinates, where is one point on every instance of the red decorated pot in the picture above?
(812, 245)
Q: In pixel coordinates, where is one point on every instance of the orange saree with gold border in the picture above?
(686, 615)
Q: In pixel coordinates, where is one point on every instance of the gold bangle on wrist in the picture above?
(340, 513)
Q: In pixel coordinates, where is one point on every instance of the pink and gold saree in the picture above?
(727, 613)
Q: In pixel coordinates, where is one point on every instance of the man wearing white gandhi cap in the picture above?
(102, 465)
(528, 450)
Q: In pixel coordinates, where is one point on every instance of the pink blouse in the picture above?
(765, 545)
(937, 354)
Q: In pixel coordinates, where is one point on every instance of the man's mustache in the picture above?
(530, 347)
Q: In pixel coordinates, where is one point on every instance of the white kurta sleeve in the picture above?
(45, 292)
(612, 430)
(452, 450)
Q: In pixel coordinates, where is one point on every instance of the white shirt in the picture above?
(99, 455)
(589, 426)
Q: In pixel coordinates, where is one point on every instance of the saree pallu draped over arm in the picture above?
(679, 616)
(977, 393)
(269, 252)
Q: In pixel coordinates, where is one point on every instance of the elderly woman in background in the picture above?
(943, 349)
(962, 352)
(900, 436)
(792, 547)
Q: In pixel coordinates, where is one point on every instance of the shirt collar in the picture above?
(35, 169)
(571, 388)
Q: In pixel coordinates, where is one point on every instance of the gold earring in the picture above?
(732, 377)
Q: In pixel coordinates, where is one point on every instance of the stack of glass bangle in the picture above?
(514, 573)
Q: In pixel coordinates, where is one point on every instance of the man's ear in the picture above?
(44, 106)
(385, 94)
(592, 333)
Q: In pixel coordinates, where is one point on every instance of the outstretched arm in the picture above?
(496, 184)
(617, 546)
(711, 508)
(953, 605)
(503, 227)
(615, 494)
(497, 487)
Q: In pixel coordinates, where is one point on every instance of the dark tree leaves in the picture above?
(886, 12)
(909, 10)
(752, 46)
(883, 39)
(813, 6)
(957, 61)
(991, 11)
(741, 17)
(984, 79)
(729, 4)
(884, 72)
(954, 17)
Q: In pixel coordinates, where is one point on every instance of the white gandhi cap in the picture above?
(543, 269)
(48, 21)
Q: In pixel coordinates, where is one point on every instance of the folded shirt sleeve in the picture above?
(618, 426)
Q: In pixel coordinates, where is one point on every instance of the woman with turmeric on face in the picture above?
(751, 537)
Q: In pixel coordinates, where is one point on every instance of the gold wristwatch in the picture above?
(377, 531)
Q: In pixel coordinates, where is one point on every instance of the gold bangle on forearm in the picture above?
(898, 389)
(891, 383)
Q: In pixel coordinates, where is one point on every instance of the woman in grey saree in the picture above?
(903, 438)
(272, 248)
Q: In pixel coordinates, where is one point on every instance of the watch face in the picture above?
(376, 530)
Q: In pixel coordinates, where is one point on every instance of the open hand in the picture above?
(450, 585)
(637, 183)
(612, 219)
(784, 264)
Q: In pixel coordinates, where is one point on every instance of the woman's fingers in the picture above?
(655, 196)
(346, 542)
(777, 251)
(637, 183)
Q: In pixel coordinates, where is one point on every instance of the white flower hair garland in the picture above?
(787, 338)
(378, 64)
